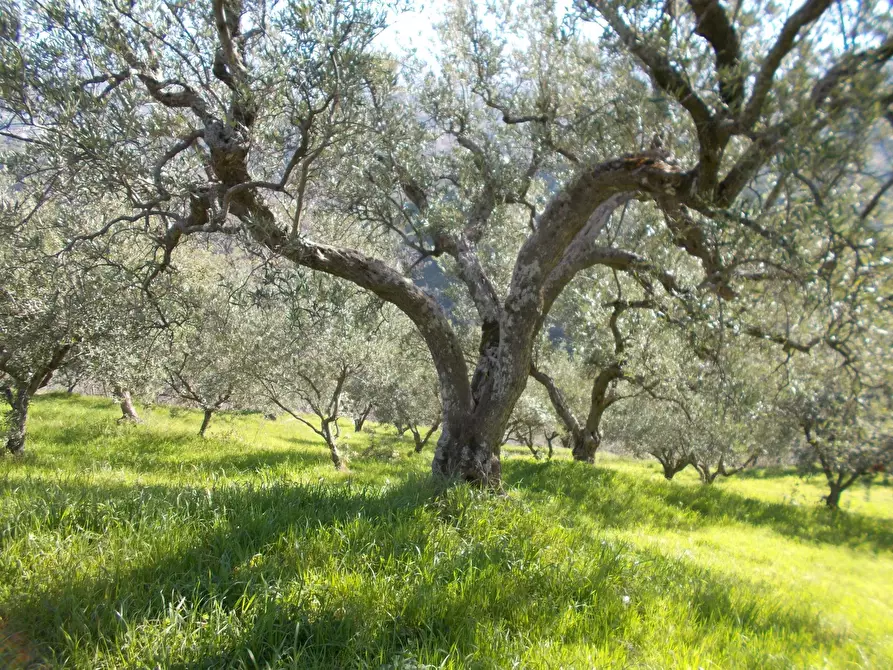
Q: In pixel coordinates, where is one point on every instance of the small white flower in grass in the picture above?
(626, 600)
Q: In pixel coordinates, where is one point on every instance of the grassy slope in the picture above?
(144, 546)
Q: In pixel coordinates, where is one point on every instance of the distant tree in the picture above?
(206, 358)
(623, 369)
(314, 354)
(400, 380)
(657, 428)
(847, 431)
(531, 420)
(361, 413)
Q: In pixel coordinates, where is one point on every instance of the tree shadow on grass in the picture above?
(618, 499)
(770, 472)
(782, 472)
(250, 548)
(243, 521)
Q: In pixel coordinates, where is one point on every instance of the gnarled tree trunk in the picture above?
(16, 420)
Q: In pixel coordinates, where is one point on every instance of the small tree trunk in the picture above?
(332, 444)
(832, 500)
(417, 438)
(422, 440)
(72, 385)
(335, 454)
(128, 411)
(550, 438)
(205, 422)
(17, 417)
(361, 419)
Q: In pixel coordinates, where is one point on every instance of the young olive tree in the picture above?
(841, 396)
(206, 361)
(655, 428)
(531, 422)
(313, 355)
(847, 433)
(400, 384)
(506, 160)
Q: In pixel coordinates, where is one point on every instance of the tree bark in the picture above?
(17, 417)
(128, 411)
(832, 500)
(584, 445)
(206, 420)
(361, 419)
(332, 444)
(422, 440)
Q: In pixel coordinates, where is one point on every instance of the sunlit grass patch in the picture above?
(147, 546)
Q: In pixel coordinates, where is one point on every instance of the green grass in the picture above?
(148, 547)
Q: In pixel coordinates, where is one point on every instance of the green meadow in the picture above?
(145, 546)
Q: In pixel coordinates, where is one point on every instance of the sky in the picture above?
(413, 29)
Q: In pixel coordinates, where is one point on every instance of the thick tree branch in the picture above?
(808, 12)
(713, 24)
(558, 401)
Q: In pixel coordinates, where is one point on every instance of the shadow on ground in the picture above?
(616, 499)
(339, 575)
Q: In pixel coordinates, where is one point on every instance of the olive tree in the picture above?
(532, 422)
(655, 428)
(839, 394)
(399, 383)
(206, 358)
(312, 357)
(238, 118)
(55, 309)
(846, 432)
